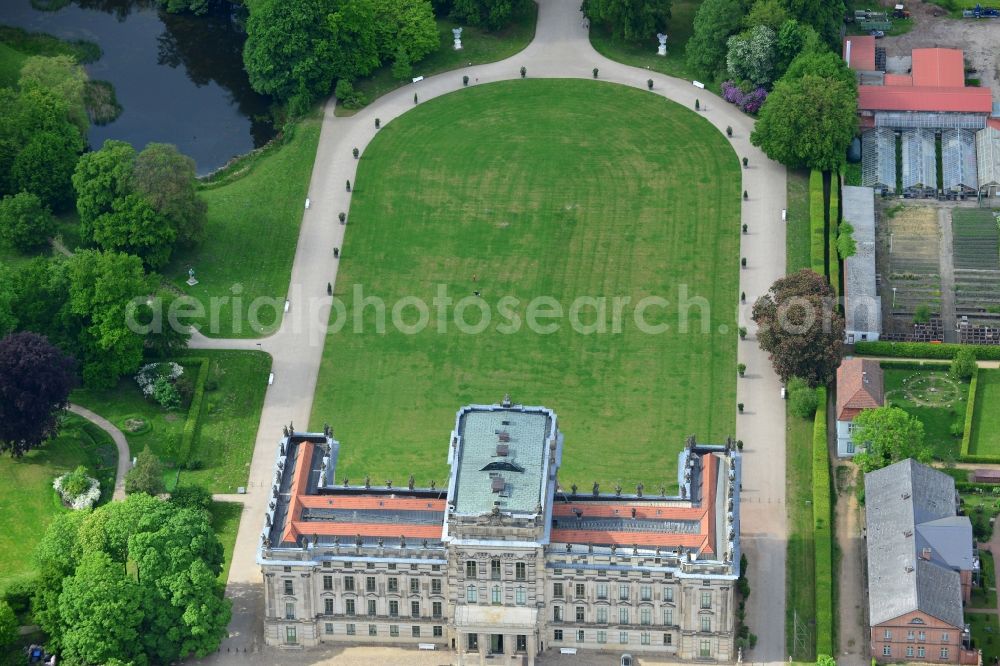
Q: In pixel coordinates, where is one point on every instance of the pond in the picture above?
(178, 77)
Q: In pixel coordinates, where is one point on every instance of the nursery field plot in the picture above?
(977, 260)
(911, 242)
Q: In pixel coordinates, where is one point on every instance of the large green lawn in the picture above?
(527, 189)
(985, 439)
(27, 501)
(227, 430)
(800, 572)
(254, 213)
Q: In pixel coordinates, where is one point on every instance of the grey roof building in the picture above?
(921, 557)
(862, 305)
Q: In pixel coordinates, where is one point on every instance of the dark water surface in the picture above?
(179, 78)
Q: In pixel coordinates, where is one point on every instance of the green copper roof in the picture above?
(524, 436)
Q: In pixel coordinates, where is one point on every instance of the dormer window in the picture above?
(916, 620)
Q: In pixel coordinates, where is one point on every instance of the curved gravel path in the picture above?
(124, 457)
(561, 49)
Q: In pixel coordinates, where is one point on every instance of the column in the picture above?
(482, 648)
(532, 649)
(460, 645)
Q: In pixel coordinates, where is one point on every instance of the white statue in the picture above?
(662, 50)
(457, 34)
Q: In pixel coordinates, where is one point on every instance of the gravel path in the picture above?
(561, 49)
(124, 457)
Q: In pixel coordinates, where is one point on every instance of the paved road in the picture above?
(561, 49)
(124, 457)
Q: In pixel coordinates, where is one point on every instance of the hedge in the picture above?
(970, 486)
(970, 409)
(194, 411)
(916, 365)
(981, 460)
(817, 224)
(924, 350)
(822, 519)
(832, 240)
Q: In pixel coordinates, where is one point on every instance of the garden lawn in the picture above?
(227, 428)
(478, 47)
(555, 188)
(937, 420)
(643, 54)
(985, 439)
(797, 240)
(226, 522)
(985, 634)
(254, 212)
(27, 500)
(800, 571)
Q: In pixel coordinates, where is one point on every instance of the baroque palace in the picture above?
(503, 561)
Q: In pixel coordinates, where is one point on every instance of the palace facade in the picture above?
(503, 561)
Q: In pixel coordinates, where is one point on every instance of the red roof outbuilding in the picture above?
(859, 52)
(938, 68)
(916, 98)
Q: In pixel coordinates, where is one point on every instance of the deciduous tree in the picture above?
(632, 20)
(25, 222)
(771, 13)
(715, 21)
(751, 55)
(103, 289)
(101, 177)
(826, 16)
(8, 625)
(135, 227)
(166, 178)
(964, 364)
(63, 77)
(490, 14)
(800, 327)
(886, 435)
(35, 381)
(808, 122)
(8, 297)
(146, 476)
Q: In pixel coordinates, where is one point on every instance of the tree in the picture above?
(795, 38)
(802, 398)
(826, 16)
(45, 167)
(8, 625)
(715, 21)
(8, 296)
(166, 178)
(800, 328)
(191, 497)
(102, 177)
(25, 222)
(144, 549)
(406, 24)
(288, 49)
(63, 77)
(103, 290)
(963, 366)
(135, 227)
(163, 338)
(100, 612)
(353, 42)
(146, 476)
(401, 68)
(41, 303)
(886, 435)
(631, 20)
(808, 122)
(750, 55)
(490, 14)
(766, 12)
(35, 381)
(846, 245)
(819, 63)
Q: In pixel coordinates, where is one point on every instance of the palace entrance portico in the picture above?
(495, 630)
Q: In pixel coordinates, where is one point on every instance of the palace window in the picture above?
(496, 597)
(393, 584)
(646, 592)
(522, 643)
(557, 590)
(623, 637)
(370, 584)
(436, 609)
(327, 582)
(288, 587)
(470, 569)
(706, 624)
(520, 596)
(706, 599)
(290, 636)
(581, 636)
(290, 611)
(602, 636)
(623, 592)
(328, 606)
(415, 631)
(705, 650)
(668, 593)
(519, 571)
(557, 635)
(415, 608)
(644, 638)
(580, 590)
(328, 628)
(602, 615)
(438, 631)
(373, 630)
(349, 606)
(579, 614)
(352, 629)
(602, 590)
(668, 639)
(645, 616)
(622, 616)
(394, 608)
(371, 606)
(394, 630)
(668, 616)
(471, 594)
(495, 569)
(414, 586)
(436, 586)
(348, 583)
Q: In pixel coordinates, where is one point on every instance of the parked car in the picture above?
(878, 34)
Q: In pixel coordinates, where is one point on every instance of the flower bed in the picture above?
(749, 102)
(77, 489)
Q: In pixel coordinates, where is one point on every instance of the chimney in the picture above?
(864, 376)
(925, 554)
(497, 484)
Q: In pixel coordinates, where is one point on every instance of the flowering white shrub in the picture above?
(86, 499)
(751, 55)
(149, 373)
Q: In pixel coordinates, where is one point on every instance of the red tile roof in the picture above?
(901, 98)
(938, 68)
(898, 80)
(703, 514)
(993, 122)
(859, 386)
(862, 56)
